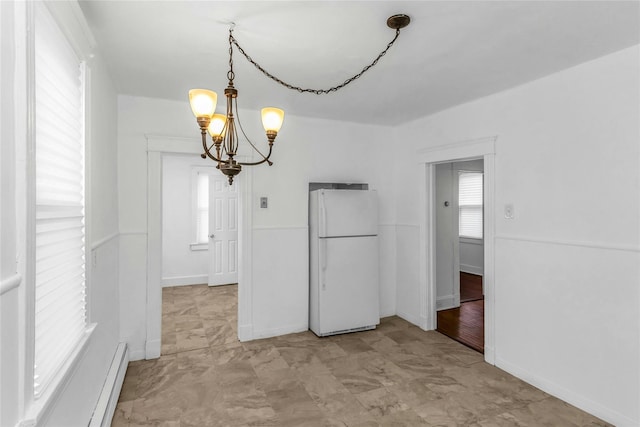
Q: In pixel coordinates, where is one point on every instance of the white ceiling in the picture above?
(451, 53)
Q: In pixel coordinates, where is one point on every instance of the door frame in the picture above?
(463, 150)
(157, 146)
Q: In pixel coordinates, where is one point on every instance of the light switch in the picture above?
(508, 211)
(263, 202)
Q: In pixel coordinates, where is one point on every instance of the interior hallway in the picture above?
(394, 375)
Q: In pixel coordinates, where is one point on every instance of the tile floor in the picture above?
(396, 375)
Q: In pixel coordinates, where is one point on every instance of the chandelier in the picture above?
(222, 127)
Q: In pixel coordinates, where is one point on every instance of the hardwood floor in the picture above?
(465, 324)
(470, 287)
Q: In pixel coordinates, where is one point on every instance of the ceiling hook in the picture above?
(232, 26)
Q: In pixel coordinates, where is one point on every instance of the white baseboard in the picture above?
(387, 312)
(244, 333)
(568, 396)
(106, 406)
(415, 320)
(201, 279)
(448, 301)
(135, 353)
(471, 269)
(152, 349)
(489, 354)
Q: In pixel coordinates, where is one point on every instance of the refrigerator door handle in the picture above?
(323, 263)
(323, 216)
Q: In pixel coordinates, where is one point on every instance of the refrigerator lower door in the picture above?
(348, 285)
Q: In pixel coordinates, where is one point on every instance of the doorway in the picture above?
(460, 251)
(157, 147)
(483, 148)
(199, 250)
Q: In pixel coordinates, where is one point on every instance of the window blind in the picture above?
(60, 318)
(202, 207)
(470, 204)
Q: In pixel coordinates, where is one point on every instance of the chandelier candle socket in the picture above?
(222, 127)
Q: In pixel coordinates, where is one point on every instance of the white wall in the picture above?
(568, 266)
(306, 150)
(180, 264)
(75, 403)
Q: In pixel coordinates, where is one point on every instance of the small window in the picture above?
(470, 204)
(202, 206)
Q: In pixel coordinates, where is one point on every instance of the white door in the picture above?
(223, 231)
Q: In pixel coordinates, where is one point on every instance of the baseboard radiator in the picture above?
(106, 406)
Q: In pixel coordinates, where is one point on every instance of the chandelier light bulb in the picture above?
(217, 127)
(272, 119)
(203, 102)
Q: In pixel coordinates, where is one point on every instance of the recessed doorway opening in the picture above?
(157, 148)
(484, 149)
(459, 251)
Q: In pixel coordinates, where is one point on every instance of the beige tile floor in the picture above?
(396, 375)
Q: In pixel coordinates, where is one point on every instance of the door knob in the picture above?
(211, 236)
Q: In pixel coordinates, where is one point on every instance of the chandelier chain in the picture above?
(300, 89)
(230, 74)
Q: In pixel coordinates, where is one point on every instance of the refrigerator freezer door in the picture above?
(347, 213)
(348, 288)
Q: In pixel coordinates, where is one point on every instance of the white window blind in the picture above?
(202, 207)
(60, 318)
(470, 204)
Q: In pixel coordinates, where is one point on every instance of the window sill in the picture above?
(199, 246)
(471, 240)
(43, 404)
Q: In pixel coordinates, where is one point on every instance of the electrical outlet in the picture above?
(263, 202)
(508, 211)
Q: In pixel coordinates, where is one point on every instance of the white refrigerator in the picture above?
(343, 264)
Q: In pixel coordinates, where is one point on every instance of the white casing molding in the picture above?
(477, 148)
